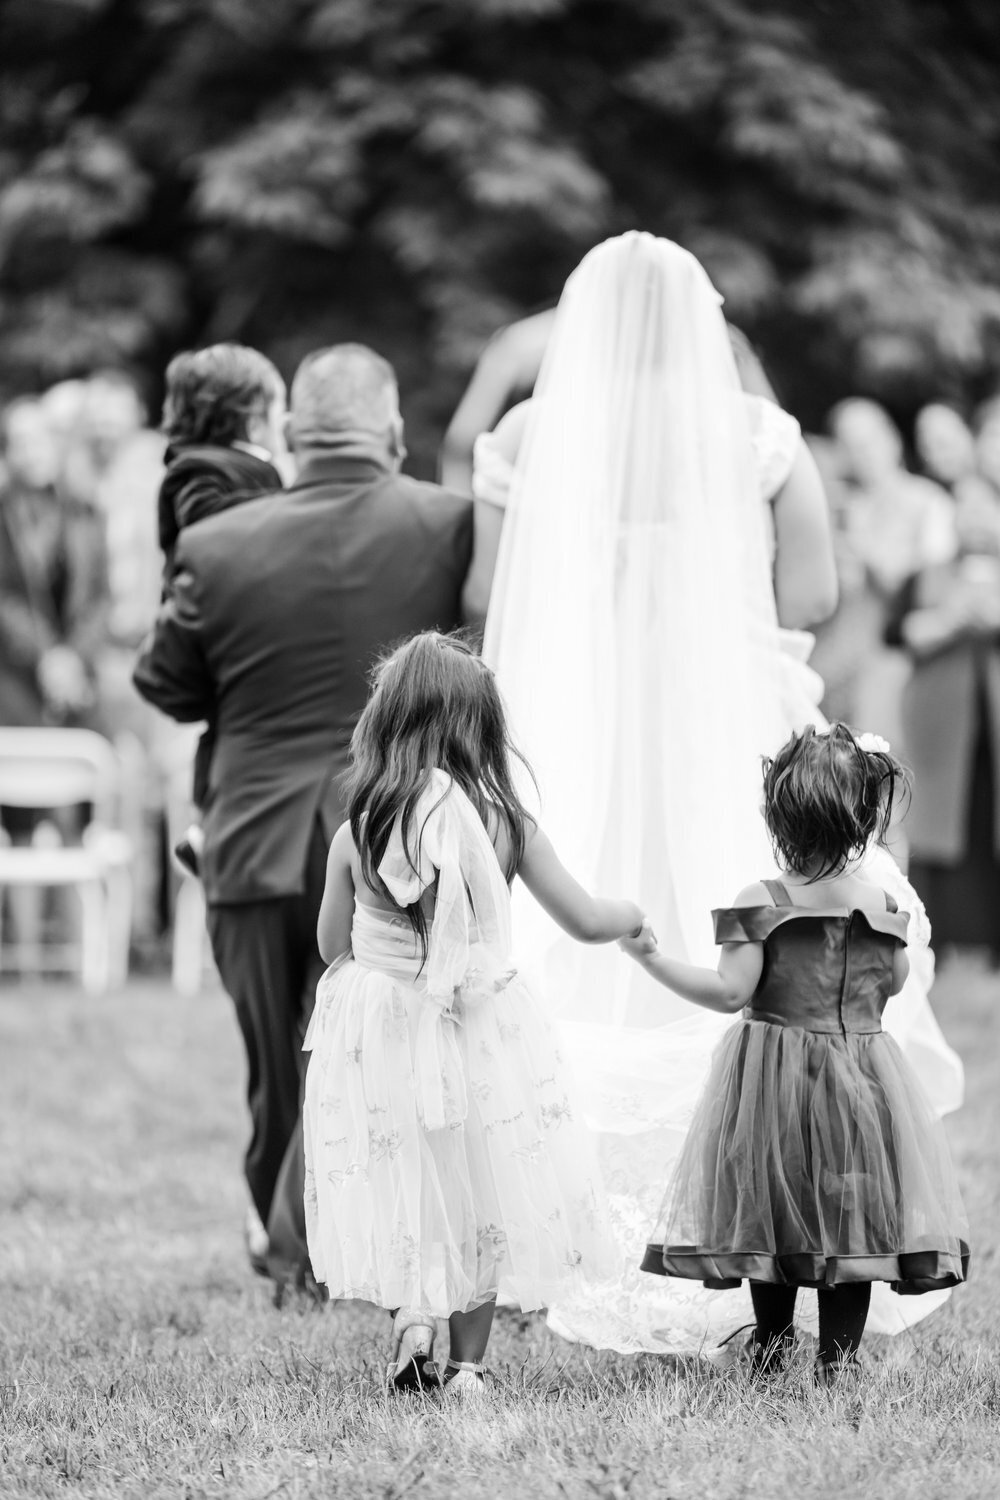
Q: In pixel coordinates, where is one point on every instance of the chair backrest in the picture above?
(50, 768)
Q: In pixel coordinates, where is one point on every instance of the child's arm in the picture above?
(725, 989)
(336, 914)
(900, 969)
(588, 919)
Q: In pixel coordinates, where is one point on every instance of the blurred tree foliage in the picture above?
(415, 173)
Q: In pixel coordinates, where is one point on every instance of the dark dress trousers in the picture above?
(277, 613)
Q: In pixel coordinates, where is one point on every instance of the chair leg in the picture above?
(95, 937)
(189, 938)
(27, 904)
(119, 895)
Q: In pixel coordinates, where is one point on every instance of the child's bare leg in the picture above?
(470, 1333)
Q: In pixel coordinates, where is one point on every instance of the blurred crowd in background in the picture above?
(912, 652)
(80, 583)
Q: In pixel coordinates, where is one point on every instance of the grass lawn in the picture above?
(140, 1357)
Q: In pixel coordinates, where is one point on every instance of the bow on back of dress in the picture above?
(469, 940)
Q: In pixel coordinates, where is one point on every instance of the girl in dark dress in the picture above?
(814, 1158)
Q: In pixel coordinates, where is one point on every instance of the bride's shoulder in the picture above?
(508, 435)
(775, 436)
(494, 455)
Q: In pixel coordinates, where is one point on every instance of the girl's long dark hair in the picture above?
(434, 703)
(826, 799)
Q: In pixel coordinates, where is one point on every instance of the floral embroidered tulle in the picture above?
(446, 1160)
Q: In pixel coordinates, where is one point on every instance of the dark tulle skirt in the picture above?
(812, 1160)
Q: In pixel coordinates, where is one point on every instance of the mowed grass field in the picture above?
(140, 1357)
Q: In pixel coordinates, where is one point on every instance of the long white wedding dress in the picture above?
(633, 630)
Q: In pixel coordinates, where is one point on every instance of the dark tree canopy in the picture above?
(415, 173)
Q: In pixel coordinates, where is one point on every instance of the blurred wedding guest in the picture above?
(949, 623)
(53, 581)
(64, 404)
(119, 465)
(841, 640)
(277, 612)
(944, 444)
(53, 616)
(896, 523)
(986, 425)
(114, 462)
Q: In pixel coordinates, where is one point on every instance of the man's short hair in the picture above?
(345, 388)
(212, 393)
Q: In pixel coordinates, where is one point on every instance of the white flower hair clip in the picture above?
(872, 744)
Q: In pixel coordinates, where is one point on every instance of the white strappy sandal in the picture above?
(468, 1382)
(411, 1367)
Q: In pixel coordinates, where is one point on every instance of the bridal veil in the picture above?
(635, 563)
(634, 635)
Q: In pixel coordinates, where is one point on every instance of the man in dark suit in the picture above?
(276, 614)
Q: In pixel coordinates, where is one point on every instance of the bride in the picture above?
(656, 529)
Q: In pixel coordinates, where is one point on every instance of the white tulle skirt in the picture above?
(504, 1198)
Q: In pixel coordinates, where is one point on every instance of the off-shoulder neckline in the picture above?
(764, 920)
(814, 911)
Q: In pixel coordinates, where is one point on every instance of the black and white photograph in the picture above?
(499, 740)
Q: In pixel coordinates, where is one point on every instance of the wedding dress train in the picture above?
(634, 634)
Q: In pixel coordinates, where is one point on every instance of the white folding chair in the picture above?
(54, 769)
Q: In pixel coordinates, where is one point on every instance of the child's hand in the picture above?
(642, 944)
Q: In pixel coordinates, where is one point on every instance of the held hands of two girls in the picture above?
(640, 944)
(725, 989)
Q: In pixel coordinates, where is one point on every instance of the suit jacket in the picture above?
(278, 610)
(53, 591)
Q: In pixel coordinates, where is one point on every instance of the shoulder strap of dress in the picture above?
(778, 892)
(890, 903)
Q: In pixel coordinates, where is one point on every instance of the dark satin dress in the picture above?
(814, 1158)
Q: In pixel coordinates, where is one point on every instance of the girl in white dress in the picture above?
(446, 1160)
